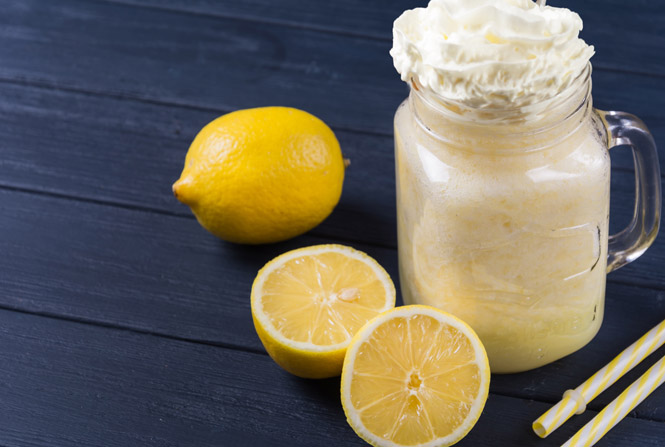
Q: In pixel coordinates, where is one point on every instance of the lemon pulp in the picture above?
(414, 376)
(309, 303)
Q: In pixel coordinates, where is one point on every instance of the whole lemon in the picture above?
(262, 175)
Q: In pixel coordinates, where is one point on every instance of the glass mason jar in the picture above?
(503, 217)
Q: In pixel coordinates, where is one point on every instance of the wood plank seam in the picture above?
(40, 285)
(94, 323)
(156, 102)
(201, 108)
(143, 208)
(610, 280)
(230, 346)
(285, 23)
(248, 331)
(67, 89)
(642, 283)
(84, 199)
(593, 408)
(320, 29)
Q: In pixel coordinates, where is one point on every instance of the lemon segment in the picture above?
(307, 305)
(414, 376)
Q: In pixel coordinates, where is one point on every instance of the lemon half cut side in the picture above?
(307, 305)
(414, 376)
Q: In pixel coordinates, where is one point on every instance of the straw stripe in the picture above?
(575, 401)
(595, 429)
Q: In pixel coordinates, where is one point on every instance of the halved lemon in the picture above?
(307, 305)
(414, 376)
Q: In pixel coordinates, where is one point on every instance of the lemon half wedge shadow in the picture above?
(307, 305)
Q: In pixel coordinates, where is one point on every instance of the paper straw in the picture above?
(574, 401)
(597, 427)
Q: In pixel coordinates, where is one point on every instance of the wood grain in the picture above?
(222, 64)
(98, 103)
(133, 269)
(71, 384)
(164, 275)
(613, 26)
(130, 152)
(139, 147)
(369, 18)
(197, 61)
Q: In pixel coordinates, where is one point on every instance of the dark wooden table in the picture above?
(123, 323)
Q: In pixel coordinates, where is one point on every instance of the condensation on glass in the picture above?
(503, 217)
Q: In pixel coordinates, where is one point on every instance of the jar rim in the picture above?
(450, 107)
(536, 126)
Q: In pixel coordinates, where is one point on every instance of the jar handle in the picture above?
(629, 244)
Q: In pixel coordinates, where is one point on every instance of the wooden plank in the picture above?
(130, 152)
(164, 275)
(631, 29)
(135, 269)
(370, 18)
(198, 61)
(224, 64)
(101, 264)
(70, 384)
(117, 266)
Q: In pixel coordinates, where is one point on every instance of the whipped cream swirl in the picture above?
(490, 53)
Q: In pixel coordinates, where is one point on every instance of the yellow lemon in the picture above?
(308, 303)
(414, 376)
(262, 175)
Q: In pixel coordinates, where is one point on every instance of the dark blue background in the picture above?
(123, 323)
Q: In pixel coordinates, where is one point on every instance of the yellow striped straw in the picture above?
(597, 427)
(575, 401)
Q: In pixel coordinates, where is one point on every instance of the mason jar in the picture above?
(503, 216)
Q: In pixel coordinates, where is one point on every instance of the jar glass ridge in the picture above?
(537, 125)
(503, 219)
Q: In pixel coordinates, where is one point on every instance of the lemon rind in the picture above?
(257, 308)
(407, 311)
